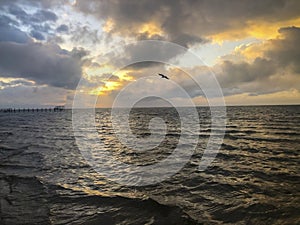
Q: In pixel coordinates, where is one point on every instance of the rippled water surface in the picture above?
(44, 179)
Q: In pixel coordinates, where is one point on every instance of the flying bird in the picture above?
(163, 76)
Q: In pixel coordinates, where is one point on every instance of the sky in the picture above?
(252, 48)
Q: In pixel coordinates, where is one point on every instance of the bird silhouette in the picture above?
(163, 76)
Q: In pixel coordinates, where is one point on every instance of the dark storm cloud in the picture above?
(5, 21)
(13, 34)
(37, 35)
(236, 73)
(44, 15)
(44, 64)
(77, 53)
(18, 12)
(62, 28)
(41, 28)
(286, 51)
(188, 21)
(181, 39)
(135, 52)
(187, 39)
(9, 31)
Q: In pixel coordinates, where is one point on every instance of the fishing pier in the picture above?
(17, 110)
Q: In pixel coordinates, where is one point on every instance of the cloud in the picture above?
(37, 35)
(32, 18)
(24, 96)
(44, 64)
(62, 28)
(10, 33)
(275, 69)
(14, 9)
(43, 28)
(43, 16)
(18, 12)
(186, 21)
(237, 73)
(286, 49)
(132, 54)
(31, 31)
(6, 21)
(38, 17)
(16, 82)
(85, 35)
(291, 96)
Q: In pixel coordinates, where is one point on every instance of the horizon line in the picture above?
(229, 105)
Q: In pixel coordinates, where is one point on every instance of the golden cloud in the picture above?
(150, 29)
(258, 29)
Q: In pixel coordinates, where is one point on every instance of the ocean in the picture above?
(254, 179)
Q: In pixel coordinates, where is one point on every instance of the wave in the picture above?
(119, 208)
(266, 139)
(23, 201)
